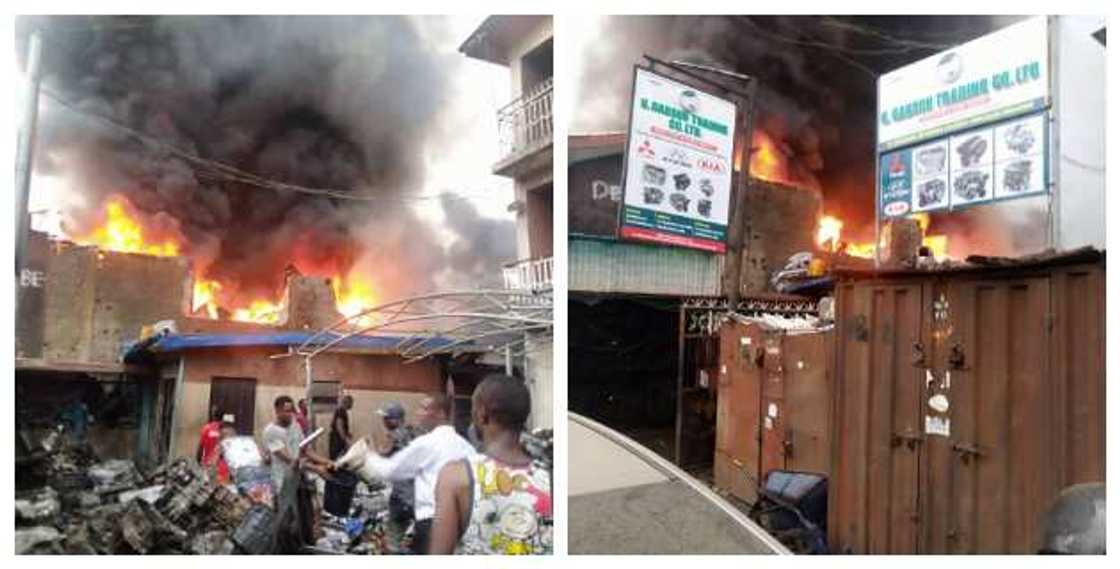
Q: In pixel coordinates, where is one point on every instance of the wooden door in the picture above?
(235, 396)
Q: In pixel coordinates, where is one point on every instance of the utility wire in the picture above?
(216, 170)
(832, 49)
(872, 32)
(835, 46)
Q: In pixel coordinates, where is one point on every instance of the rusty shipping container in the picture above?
(965, 400)
(773, 405)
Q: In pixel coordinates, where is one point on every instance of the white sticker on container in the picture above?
(939, 403)
(768, 422)
(772, 411)
(937, 426)
(745, 340)
(723, 369)
(800, 364)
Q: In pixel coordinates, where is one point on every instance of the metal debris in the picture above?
(215, 542)
(38, 539)
(149, 494)
(39, 507)
(145, 530)
(538, 444)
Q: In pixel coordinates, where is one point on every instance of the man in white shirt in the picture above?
(420, 461)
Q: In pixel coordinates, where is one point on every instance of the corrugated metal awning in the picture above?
(609, 266)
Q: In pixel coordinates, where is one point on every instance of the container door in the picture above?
(807, 395)
(988, 473)
(775, 427)
(737, 416)
(236, 396)
(873, 493)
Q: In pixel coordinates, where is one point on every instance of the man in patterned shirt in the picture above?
(498, 502)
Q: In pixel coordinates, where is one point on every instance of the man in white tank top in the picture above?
(498, 502)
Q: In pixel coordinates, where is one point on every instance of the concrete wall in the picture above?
(781, 221)
(1079, 111)
(538, 35)
(94, 302)
(371, 379)
(538, 376)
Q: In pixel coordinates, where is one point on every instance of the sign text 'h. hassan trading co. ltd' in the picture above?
(967, 126)
(677, 184)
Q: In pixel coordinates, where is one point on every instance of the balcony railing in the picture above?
(526, 123)
(534, 275)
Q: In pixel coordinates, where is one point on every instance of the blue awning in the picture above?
(172, 343)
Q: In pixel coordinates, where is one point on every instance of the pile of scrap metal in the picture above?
(538, 443)
(90, 507)
(367, 529)
(803, 270)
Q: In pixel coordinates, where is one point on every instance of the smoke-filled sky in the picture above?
(381, 107)
(817, 78)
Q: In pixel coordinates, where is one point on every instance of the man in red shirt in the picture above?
(208, 439)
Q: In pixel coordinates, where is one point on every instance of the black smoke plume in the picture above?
(344, 103)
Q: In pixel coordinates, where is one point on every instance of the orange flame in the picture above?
(767, 161)
(829, 229)
(122, 232)
(259, 311)
(353, 295)
(828, 232)
(206, 296)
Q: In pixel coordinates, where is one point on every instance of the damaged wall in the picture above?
(84, 305)
(781, 221)
(371, 379)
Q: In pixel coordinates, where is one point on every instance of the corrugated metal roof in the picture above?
(974, 264)
(609, 266)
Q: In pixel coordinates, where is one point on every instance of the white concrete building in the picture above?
(524, 45)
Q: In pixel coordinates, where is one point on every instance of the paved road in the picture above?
(624, 499)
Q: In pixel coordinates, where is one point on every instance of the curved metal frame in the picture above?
(462, 317)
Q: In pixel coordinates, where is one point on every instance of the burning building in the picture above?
(234, 183)
(987, 294)
(120, 333)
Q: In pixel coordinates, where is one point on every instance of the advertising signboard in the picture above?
(1006, 160)
(677, 180)
(1002, 74)
(967, 126)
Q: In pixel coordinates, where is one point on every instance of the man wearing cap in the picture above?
(402, 498)
(419, 461)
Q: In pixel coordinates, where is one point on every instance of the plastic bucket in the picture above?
(339, 493)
